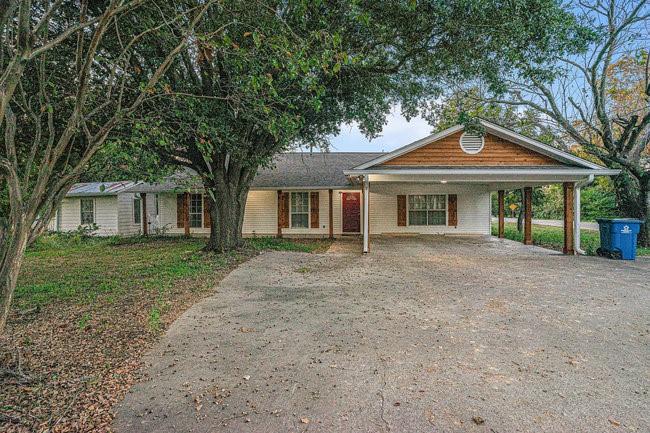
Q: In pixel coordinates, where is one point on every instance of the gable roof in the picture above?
(492, 128)
(91, 189)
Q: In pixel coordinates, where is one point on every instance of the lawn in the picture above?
(553, 238)
(85, 311)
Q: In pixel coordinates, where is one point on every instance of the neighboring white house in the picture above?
(103, 205)
(441, 184)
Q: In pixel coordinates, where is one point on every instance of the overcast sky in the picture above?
(397, 133)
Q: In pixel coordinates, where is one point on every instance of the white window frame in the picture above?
(92, 200)
(408, 212)
(308, 210)
(136, 197)
(194, 213)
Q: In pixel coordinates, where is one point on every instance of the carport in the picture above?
(456, 172)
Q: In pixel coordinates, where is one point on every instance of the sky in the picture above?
(398, 132)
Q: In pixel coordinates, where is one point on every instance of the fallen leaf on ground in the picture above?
(478, 420)
(304, 420)
(613, 422)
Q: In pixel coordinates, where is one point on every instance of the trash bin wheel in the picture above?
(601, 252)
(616, 255)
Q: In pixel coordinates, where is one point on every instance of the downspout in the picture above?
(576, 213)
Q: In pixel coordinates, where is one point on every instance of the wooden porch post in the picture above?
(186, 213)
(366, 216)
(145, 225)
(501, 199)
(331, 214)
(528, 215)
(280, 218)
(568, 248)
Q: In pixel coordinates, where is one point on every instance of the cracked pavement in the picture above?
(424, 334)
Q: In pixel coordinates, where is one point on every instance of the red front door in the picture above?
(351, 212)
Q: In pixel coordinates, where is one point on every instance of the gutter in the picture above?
(576, 213)
(479, 171)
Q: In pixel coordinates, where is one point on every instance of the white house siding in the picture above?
(473, 208)
(106, 211)
(261, 214)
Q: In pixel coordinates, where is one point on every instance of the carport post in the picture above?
(501, 199)
(366, 217)
(568, 188)
(528, 215)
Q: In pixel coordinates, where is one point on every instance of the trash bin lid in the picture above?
(619, 220)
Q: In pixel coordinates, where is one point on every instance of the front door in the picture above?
(351, 212)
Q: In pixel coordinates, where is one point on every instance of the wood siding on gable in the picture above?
(496, 152)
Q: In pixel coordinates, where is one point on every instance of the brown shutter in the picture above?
(180, 210)
(401, 210)
(207, 220)
(283, 209)
(452, 210)
(314, 205)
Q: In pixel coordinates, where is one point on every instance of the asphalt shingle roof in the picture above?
(318, 169)
(289, 170)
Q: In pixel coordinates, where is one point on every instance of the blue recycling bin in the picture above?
(618, 237)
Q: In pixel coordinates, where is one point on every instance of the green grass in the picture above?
(553, 238)
(80, 269)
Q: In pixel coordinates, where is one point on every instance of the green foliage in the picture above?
(305, 246)
(70, 267)
(551, 237)
(598, 200)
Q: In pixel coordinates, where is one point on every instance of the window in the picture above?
(428, 210)
(471, 143)
(299, 210)
(137, 209)
(196, 210)
(87, 211)
(156, 205)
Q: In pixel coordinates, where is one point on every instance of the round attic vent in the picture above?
(471, 143)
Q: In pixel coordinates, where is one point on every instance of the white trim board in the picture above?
(507, 134)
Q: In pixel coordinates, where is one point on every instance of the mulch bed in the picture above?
(77, 360)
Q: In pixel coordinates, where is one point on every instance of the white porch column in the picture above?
(366, 216)
(576, 219)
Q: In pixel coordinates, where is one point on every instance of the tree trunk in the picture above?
(227, 214)
(644, 234)
(633, 202)
(12, 258)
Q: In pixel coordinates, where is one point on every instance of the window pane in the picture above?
(417, 202)
(299, 202)
(87, 211)
(437, 218)
(299, 220)
(137, 203)
(196, 210)
(417, 218)
(437, 202)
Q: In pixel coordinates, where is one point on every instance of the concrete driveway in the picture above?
(421, 335)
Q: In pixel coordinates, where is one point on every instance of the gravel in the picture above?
(423, 334)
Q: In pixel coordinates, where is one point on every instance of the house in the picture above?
(441, 184)
(105, 205)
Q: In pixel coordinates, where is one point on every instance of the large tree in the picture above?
(601, 100)
(290, 72)
(63, 89)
